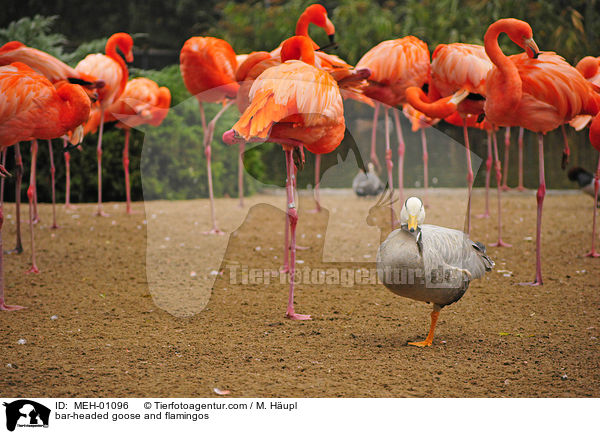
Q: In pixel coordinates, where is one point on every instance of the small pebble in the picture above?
(564, 377)
(193, 274)
(54, 317)
(21, 341)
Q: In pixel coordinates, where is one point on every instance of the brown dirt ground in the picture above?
(112, 339)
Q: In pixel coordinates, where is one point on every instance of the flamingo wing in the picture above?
(460, 66)
(106, 69)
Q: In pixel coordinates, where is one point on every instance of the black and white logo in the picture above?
(25, 413)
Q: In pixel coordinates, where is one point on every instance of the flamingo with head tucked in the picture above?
(296, 105)
(536, 90)
(112, 69)
(33, 108)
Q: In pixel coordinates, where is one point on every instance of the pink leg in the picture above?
(592, 253)
(498, 168)
(52, 175)
(241, 175)
(126, 170)
(99, 212)
(293, 218)
(317, 184)
(2, 180)
(388, 161)
(520, 186)
(34, 143)
(540, 203)
(566, 150)
(67, 177)
(374, 158)
(505, 186)
(3, 305)
(31, 197)
(19, 179)
(425, 168)
(488, 172)
(469, 176)
(401, 152)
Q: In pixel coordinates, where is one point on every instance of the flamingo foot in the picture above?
(290, 314)
(505, 188)
(70, 206)
(500, 243)
(100, 213)
(34, 269)
(425, 343)
(534, 283)
(9, 308)
(285, 269)
(592, 254)
(54, 226)
(520, 188)
(214, 231)
(16, 251)
(302, 247)
(485, 215)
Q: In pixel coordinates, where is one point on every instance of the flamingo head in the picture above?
(521, 34)
(317, 15)
(125, 43)
(588, 66)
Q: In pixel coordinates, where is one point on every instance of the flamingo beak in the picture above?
(129, 57)
(459, 96)
(531, 48)
(77, 135)
(412, 223)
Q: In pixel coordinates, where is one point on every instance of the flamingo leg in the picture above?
(317, 185)
(505, 186)
(488, 173)
(53, 180)
(592, 253)
(19, 179)
(498, 168)
(425, 166)
(541, 193)
(429, 339)
(401, 152)
(2, 180)
(520, 187)
(241, 174)
(126, 170)
(36, 217)
(374, 158)
(469, 175)
(389, 163)
(3, 305)
(293, 219)
(99, 212)
(31, 197)
(566, 150)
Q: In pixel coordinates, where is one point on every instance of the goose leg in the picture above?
(541, 193)
(592, 253)
(505, 186)
(293, 219)
(520, 187)
(488, 173)
(374, 158)
(499, 243)
(429, 339)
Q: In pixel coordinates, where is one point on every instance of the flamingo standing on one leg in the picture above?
(395, 66)
(110, 68)
(208, 68)
(505, 186)
(595, 140)
(33, 108)
(537, 91)
(282, 114)
(520, 186)
(457, 70)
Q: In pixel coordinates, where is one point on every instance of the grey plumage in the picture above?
(367, 184)
(437, 269)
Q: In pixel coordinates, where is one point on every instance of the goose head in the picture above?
(412, 215)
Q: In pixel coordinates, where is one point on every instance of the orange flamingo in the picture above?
(537, 91)
(458, 71)
(297, 105)
(595, 140)
(33, 108)
(110, 68)
(142, 102)
(395, 66)
(208, 68)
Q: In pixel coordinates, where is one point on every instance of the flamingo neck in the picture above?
(311, 16)
(437, 109)
(298, 48)
(510, 90)
(111, 51)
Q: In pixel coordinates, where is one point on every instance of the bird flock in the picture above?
(294, 96)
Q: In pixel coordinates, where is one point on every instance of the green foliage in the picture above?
(35, 32)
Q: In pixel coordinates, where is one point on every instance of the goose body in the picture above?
(429, 263)
(367, 184)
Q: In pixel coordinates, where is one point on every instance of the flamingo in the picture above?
(505, 186)
(395, 66)
(297, 105)
(33, 108)
(208, 68)
(110, 68)
(458, 71)
(142, 102)
(536, 91)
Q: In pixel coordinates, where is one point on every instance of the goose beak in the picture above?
(531, 48)
(412, 223)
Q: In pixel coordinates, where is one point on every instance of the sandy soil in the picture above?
(121, 332)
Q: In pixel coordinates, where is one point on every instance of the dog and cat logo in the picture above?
(25, 413)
